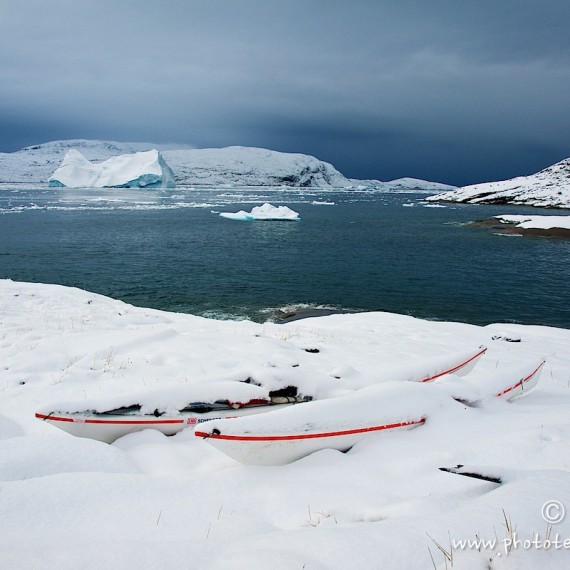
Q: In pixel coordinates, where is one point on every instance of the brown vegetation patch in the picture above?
(511, 228)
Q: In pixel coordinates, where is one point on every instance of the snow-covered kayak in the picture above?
(339, 423)
(460, 364)
(507, 385)
(109, 426)
(521, 382)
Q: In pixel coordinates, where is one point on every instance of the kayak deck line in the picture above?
(81, 420)
(458, 367)
(523, 381)
(293, 437)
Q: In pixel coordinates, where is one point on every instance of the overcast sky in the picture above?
(456, 91)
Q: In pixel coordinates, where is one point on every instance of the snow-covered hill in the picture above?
(246, 166)
(234, 166)
(549, 188)
(242, 166)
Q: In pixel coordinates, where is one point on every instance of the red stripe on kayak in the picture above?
(109, 422)
(307, 435)
(454, 369)
(520, 382)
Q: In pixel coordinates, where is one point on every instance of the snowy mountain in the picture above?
(241, 166)
(232, 166)
(549, 188)
(246, 166)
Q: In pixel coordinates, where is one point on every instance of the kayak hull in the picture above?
(110, 427)
(283, 449)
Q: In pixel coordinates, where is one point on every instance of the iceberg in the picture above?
(138, 170)
(265, 212)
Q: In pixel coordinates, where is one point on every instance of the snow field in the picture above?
(150, 501)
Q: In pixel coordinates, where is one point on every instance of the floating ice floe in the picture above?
(265, 212)
(138, 170)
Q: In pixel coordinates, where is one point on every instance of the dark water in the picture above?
(168, 250)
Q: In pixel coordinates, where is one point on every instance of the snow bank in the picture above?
(549, 188)
(150, 501)
(265, 212)
(142, 169)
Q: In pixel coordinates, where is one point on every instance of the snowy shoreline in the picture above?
(152, 501)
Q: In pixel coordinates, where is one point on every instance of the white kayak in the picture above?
(339, 423)
(336, 423)
(110, 426)
(460, 364)
(508, 385)
(521, 382)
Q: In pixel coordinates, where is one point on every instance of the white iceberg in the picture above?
(265, 212)
(138, 170)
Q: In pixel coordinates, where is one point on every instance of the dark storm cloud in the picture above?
(457, 91)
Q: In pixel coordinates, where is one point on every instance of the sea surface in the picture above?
(351, 250)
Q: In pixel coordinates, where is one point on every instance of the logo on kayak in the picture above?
(195, 421)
